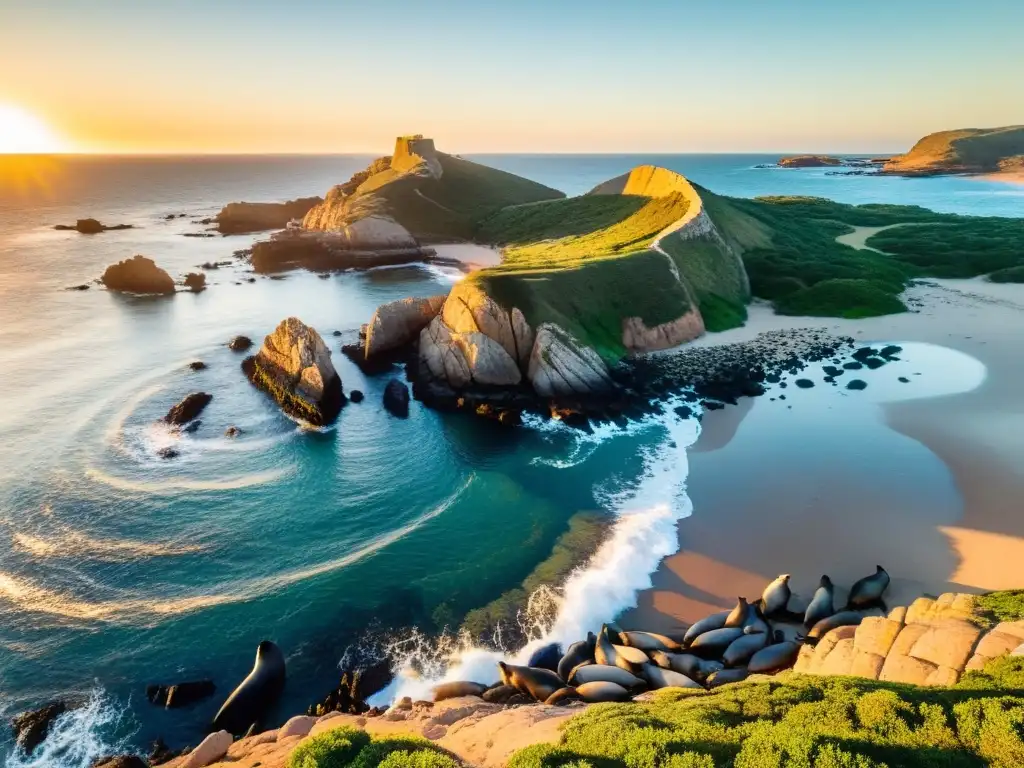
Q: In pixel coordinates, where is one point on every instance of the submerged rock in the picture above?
(197, 365)
(294, 367)
(239, 343)
(356, 396)
(195, 282)
(180, 694)
(168, 453)
(188, 409)
(31, 728)
(238, 218)
(90, 227)
(137, 275)
(396, 398)
(232, 432)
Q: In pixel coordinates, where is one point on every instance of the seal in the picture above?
(713, 644)
(756, 622)
(687, 664)
(546, 657)
(602, 673)
(868, 591)
(458, 688)
(254, 695)
(726, 676)
(597, 692)
(538, 683)
(821, 605)
(629, 659)
(649, 641)
(578, 652)
(499, 694)
(743, 648)
(738, 616)
(666, 678)
(563, 696)
(714, 621)
(773, 658)
(775, 597)
(826, 625)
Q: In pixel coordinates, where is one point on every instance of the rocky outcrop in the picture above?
(371, 242)
(31, 728)
(561, 366)
(195, 282)
(809, 161)
(239, 343)
(398, 323)
(294, 367)
(188, 409)
(239, 218)
(180, 694)
(637, 337)
(90, 227)
(396, 399)
(137, 275)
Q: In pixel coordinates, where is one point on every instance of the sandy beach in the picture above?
(927, 486)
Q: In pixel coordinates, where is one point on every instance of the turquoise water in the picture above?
(119, 569)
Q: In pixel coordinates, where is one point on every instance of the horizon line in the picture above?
(6, 155)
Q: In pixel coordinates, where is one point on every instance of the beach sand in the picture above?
(930, 487)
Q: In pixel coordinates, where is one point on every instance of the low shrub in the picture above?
(842, 298)
(336, 748)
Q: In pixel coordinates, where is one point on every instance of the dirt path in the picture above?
(859, 237)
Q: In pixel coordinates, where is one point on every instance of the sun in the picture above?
(22, 133)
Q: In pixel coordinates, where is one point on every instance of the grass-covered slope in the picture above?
(796, 720)
(969, 150)
(956, 247)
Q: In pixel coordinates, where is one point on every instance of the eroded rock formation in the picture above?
(90, 227)
(238, 218)
(398, 323)
(137, 275)
(294, 368)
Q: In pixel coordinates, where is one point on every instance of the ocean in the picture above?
(119, 569)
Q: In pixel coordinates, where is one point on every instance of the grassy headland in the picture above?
(968, 150)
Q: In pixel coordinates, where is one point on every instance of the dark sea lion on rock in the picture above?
(546, 657)
(563, 696)
(649, 641)
(821, 605)
(714, 621)
(869, 590)
(606, 652)
(756, 622)
(598, 692)
(499, 694)
(457, 689)
(687, 664)
(537, 683)
(738, 616)
(713, 644)
(774, 658)
(743, 648)
(578, 653)
(726, 676)
(666, 678)
(602, 673)
(776, 596)
(254, 695)
(826, 625)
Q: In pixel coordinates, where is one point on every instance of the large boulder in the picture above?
(188, 409)
(396, 398)
(31, 728)
(560, 365)
(138, 275)
(238, 218)
(294, 367)
(398, 323)
(195, 282)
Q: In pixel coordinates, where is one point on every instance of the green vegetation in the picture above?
(1008, 275)
(842, 298)
(347, 747)
(1007, 605)
(554, 219)
(969, 150)
(956, 247)
(587, 530)
(796, 720)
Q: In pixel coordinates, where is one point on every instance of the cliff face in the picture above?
(969, 150)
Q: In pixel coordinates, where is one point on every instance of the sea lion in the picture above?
(773, 658)
(738, 616)
(666, 678)
(756, 622)
(254, 695)
(826, 625)
(649, 641)
(499, 694)
(597, 692)
(614, 632)
(713, 644)
(714, 621)
(579, 652)
(726, 676)
(546, 657)
(563, 696)
(776, 595)
(821, 605)
(868, 591)
(606, 652)
(602, 673)
(537, 683)
(456, 689)
(742, 648)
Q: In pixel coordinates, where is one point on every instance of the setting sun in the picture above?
(23, 133)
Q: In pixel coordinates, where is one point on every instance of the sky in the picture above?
(306, 76)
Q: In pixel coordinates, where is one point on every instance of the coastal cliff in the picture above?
(963, 151)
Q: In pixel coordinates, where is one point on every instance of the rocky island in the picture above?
(809, 161)
(240, 218)
(963, 151)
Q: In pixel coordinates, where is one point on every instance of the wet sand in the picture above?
(932, 488)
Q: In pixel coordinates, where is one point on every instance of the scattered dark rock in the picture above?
(161, 753)
(195, 282)
(180, 694)
(874, 363)
(188, 409)
(804, 383)
(91, 227)
(396, 398)
(250, 280)
(168, 453)
(904, 380)
(853, 366)
(170, 216)
(120, 761)
(232, 432)
(239, 343)
(356, 396)
(857, 384)
(832, 371)
(336, 333)
(138, 275)
(324, 275)
(713, 405)
(192, 426)
(354, 688)
(31, 728)
(890, 352)
(509, 417)
(82, 287)
(198, 234)
(197, 365)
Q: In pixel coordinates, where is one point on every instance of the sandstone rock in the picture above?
(239, 343)
(138, 275)
(906, 669)
(944, 677)
(243, 747)
(188, 409)
(469, 309)
(464, 358)
(121, 761)
(396, 398)
(637, 337)
(876, 635)
(560, 365)
(300, 725)
(905, 640)
(441, 357)
(840, 660)
(1018, 651)
(947, 645)
(195, 282)
(804, 660)
(948, 605)
(1015, 628)
(31, 728)
(827, 644)
(524, 337)
(899, 614)
(866, 664)
(294, 367)
(210, 750)
(996, 643)
(238, 218)
(398, 323)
